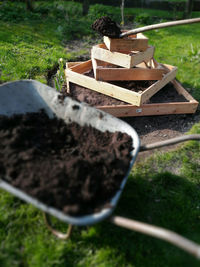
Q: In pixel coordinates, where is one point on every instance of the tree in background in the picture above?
(188, 8)
(122, 12)
(29, 5)
(85, 7)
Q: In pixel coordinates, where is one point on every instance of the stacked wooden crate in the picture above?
(129, 59)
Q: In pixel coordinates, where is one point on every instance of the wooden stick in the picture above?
(58, 234)
(172, 141)
(159, 26)
(172, 237)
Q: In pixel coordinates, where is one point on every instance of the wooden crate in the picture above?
(153, 109)
(138, 73)
(75, 74)
(137, 42)
(126, 59)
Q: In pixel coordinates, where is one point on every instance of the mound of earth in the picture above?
(106, 27)
(72, 168)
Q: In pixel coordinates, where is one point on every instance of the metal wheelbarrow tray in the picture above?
(31, 96)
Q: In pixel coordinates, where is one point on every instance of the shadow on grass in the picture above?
(165, 200)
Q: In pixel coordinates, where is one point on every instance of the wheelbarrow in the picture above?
(31, 96)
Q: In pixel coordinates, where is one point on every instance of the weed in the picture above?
(59, 78)
(194, 53)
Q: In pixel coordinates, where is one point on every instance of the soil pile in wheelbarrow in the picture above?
(72, 168)
(106, 26)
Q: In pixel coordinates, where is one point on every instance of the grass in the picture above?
(164, 190)
(30, 47)
(179, 46)
(21, 50)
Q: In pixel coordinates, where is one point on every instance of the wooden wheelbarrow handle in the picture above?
(57, 233)
(172, 141)
(158, 232)
(159, 26)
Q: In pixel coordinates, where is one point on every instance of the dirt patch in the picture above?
(106, 27)
(72, 168)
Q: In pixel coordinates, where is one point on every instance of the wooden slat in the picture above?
(120, 44)
(94, 66)
(150, 109)
(143, 56)
(104, 88)
(122, 74)
(83, 67)
(154, 88)
(126, 59)
(68, 85)
(72, 64)
(115, 58)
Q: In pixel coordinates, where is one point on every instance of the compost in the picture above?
(106, 27)
(72, 168)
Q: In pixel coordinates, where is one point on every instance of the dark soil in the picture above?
(107, 27)
(167, 94)
(72, 168)
(136, 86)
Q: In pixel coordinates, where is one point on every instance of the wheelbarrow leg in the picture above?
(58, 234)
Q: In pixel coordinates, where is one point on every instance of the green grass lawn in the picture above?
(164, 190)
(180, 46)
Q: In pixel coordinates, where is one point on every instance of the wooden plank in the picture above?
(104, 88)
(116, 58)
(150, 109)
(99, 64)
(125, 59)
(126, 44)
(155, 108)
(71, 64)
(94, 66)
(83, 67)
(68, 85)
(122, 74)
(143, 56)
(154, 88)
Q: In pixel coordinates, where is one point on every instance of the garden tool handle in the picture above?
(159, 26)
(161, 233)
(172, 141)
